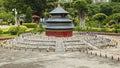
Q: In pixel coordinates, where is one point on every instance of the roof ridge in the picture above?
(58, 10)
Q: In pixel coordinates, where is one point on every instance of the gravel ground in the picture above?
(28, 59)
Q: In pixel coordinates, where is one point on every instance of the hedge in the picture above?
(21, 29)
(29, 30)
(17, 30)
(6, 31)
(13, 30)
(4, 23)
(30, 25)
(1, 30)
(96, 29)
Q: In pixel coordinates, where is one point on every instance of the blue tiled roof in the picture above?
(59, 27)
(59, 20)
(58, 10)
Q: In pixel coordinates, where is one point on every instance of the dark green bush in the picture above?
(118, 30)
(111, 22)
(30, 25)
(1, 30)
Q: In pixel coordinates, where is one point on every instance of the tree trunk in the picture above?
(82, 18)
(99, 24)
(116, 22)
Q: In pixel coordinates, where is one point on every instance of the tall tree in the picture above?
(116, 17)
(106, 8)
(28, 17)
(116, 9)
(93, 9)
(115, 0)
(100, 17)
(81, 7)
(37, 6)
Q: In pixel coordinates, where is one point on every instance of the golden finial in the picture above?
(59, 2)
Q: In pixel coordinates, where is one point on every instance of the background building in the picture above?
(96, 1)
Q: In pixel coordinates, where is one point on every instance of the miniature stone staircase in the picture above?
(59, 46)
(89, 44)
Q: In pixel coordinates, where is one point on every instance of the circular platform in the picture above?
(78, 42)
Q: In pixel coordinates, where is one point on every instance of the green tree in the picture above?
(28, 17)
(89, 1)
(100, 17)
(116, 9)
(117, 26)
(7, 17)
(115, 0)
(20, 5)
(106, 8)
(93, 9)
(38, 6)
(81, 7)
(116, 17)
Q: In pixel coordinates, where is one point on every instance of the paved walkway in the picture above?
(94, 47)
(28, 59)
(60, 46)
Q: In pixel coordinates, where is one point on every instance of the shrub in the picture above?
(77, 28)
(21, 29)
(1, 31)
(103, 29)
(30, 25)
(4, 23)
(29, 30)
(95, 30)
(118, 30)
(39, 29)
(111, 22)
(6, 31)
(13, 30)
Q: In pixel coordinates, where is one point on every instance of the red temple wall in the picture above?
(59, 33)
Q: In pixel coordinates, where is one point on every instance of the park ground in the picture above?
(35, 59)
(28, 59)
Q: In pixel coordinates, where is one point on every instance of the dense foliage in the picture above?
(84, 13)
(28, 17)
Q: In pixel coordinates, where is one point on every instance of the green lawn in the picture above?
(7, 36)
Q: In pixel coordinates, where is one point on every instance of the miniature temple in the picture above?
(58, 24)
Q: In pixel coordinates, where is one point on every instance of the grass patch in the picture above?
(7, 36)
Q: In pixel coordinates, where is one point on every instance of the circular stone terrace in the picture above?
(78, 42)
(83, 50)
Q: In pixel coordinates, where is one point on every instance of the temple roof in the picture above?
(59, 10)
(59, 20)
(59, 27)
